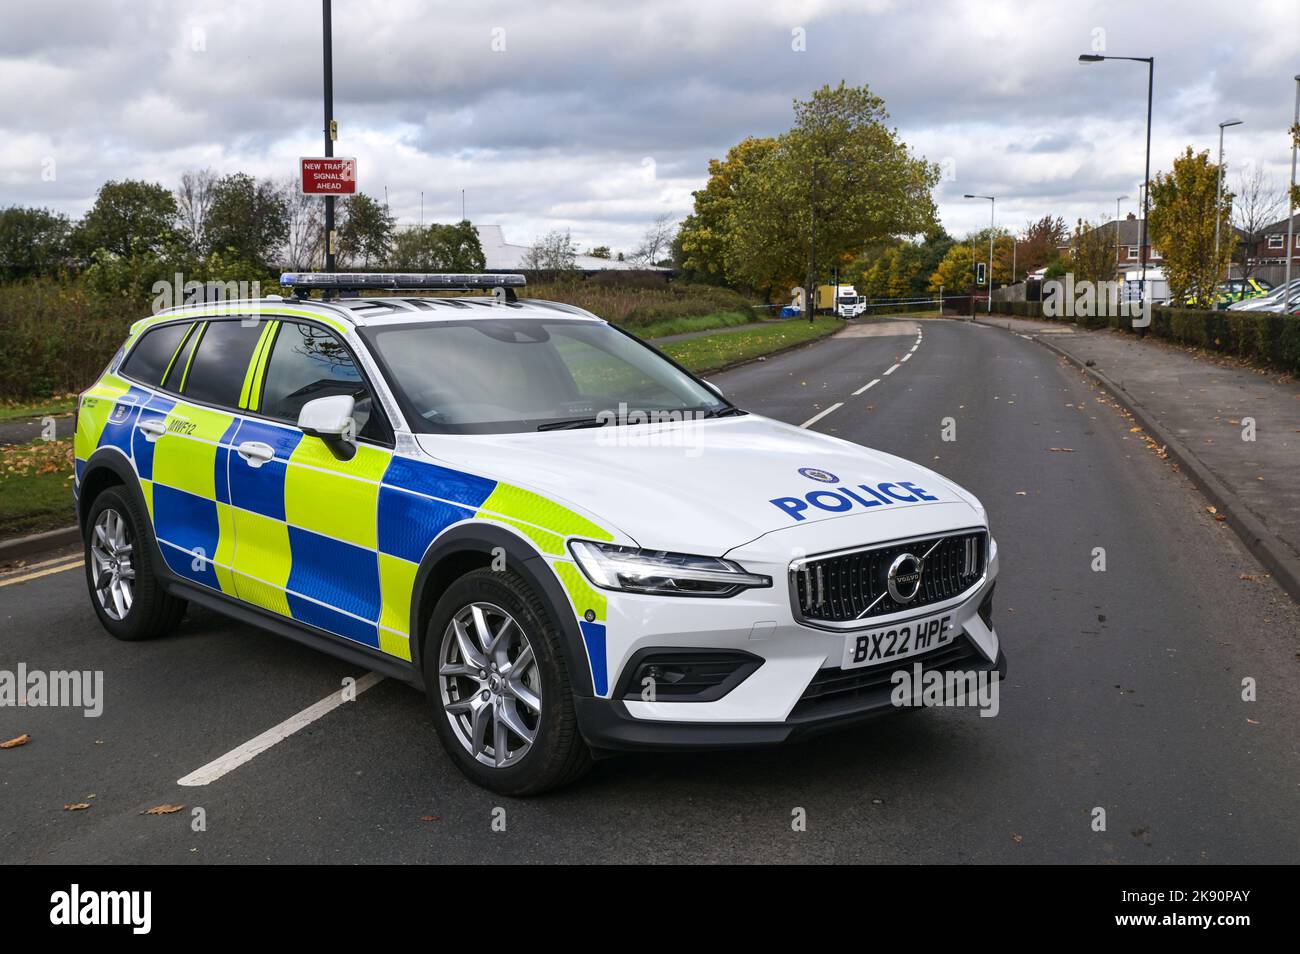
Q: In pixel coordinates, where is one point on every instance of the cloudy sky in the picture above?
(599, 116)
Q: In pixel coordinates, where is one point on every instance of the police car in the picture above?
(571, 544)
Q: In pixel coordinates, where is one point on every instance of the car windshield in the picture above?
(503, 375)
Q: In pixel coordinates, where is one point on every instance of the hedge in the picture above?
(1263, 338)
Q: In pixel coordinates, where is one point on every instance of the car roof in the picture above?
(383, 309)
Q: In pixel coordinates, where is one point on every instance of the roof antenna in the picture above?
(504, 296)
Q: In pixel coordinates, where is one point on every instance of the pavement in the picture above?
(1125, 688)
(1236, 428)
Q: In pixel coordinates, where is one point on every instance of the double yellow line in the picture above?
(45, 568)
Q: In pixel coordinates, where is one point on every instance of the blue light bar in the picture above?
(400, 281)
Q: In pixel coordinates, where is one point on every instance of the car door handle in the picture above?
(153, 428)
(255, 452)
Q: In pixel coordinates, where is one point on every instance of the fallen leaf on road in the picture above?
(1017, 838)
(1246, 576)
(1135, 430)
(428, 818)
(1252, 722)
(1061, 450)
(162, 810)
(76, 806)
(1021, 493)
(15, 742)
(1211, 509)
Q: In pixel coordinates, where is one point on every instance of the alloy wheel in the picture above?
(112, 569)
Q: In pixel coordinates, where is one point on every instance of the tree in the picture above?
(438, 248)
(1091, 256)
(247, 219)
(657, 243)
(193, 200)
(128, 218)
(1257, 203)
(839, 175)
(600, 251)
(553, 252)
(956, 272)
(1184, 210)
(1040, 243)
(702, 241)
(366, 230)
(304, 242)
(32, 242)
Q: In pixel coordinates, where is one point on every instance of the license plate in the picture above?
(898, 641)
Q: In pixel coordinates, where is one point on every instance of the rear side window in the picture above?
(216, 374)
(150, 358)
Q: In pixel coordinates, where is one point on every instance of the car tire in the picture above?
(483, 690)
(124, 589)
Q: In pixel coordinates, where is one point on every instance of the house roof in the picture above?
(1280, 226)
(501, 255)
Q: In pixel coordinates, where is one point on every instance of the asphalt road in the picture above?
(1124, 691)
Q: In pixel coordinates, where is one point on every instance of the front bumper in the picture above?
(799, 689)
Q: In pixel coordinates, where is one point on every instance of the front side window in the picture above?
(152, 356)
(308, 362)
(502, 375)
(220, 360)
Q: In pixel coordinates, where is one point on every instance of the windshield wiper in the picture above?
(730, 411)
(574, 424)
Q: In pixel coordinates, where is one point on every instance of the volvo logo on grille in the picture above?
(904, 578)
(825, 476)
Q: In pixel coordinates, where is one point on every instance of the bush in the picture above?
(641, 300)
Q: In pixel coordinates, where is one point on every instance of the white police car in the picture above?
(573, 545)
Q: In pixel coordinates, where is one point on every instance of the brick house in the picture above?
(1129, 233)
(1271, 248)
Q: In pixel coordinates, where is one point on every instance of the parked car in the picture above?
(570, 543)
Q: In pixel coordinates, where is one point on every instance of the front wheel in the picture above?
(124, 590)
(496, 678)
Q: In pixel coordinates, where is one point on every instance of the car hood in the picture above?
(707, 486)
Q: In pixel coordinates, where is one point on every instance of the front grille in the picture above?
(837, 691)
(853, 586)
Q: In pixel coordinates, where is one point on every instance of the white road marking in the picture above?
(867, 387)
(906, 357)
(9, 581)
(891, 370)
(817, 417)
(254, 747)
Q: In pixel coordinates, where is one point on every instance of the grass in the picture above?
(35, 487)
(681, 326)
(713, 352)
(53, 406)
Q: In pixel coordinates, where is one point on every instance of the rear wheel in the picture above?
(126, 594)
(495, 675)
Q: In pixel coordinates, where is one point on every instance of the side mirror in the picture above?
(713, 387)
(330, 419)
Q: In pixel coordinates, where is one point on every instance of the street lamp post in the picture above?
(327, 31)
(1150, 61)
(989, 278)
(1290, 205)
(1218, 194)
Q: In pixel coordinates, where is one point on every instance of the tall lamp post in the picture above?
(1218, 195)
(1150, 61)
(1290, 204)
(327, 33)
(993, 203)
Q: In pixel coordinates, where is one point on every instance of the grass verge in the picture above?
(59, 404)
(713, 352)
(35, 487)
(681, 326)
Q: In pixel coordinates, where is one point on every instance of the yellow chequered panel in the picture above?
(318, 497)
(546, 542)
(520, 504)
(224, 558)
(396, 583)
(185, 456)
(583, 594)
(263, 559)
(96, 404)
(395, 644)
(146, 486)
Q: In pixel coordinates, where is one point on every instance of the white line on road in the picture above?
(867, 387)
(254, 747)
(891, 370)
(906, 356)
(817, 417)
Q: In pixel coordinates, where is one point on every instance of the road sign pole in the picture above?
(329, 119)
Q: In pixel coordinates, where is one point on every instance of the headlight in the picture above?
(655, 571)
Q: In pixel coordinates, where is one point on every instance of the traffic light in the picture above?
(979, 273)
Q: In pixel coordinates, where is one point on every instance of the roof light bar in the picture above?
(400, 281)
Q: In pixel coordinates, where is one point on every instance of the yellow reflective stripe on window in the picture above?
(177, 353)
(189, 362)
(252, 386)
(255, 392)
